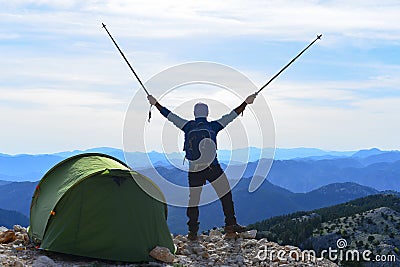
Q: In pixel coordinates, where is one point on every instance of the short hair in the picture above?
(200, 110)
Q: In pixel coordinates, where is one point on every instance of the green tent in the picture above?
(91, 205)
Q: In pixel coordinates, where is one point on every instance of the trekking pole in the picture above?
(287, 65)
(129, 65)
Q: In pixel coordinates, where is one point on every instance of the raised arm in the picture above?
(226, 119)
(249, 100)
(172, 117)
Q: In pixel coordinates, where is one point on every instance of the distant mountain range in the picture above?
(306, 175)
(270, 200)
(224, 155)
(17, 196)
(32, 167)
(297, 169)
(300, 179)
(8, 218)
(379, 171)
(4, 182)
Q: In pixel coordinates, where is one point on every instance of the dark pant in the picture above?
(216, 176)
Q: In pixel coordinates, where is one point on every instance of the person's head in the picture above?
(200, 110)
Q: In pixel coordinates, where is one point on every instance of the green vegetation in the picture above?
(297, 227)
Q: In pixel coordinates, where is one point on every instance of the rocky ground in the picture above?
(210, 250)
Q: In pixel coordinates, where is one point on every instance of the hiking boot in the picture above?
(192, 236)
(235, 228)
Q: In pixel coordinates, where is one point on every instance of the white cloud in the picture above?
(60, 66)
(331, 91)
(50, 129)
(334, 115)
(372, 124)
(57, 99)
(280, 20)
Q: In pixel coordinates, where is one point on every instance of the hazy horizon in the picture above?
(108, 147)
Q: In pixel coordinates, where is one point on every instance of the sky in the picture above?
(63, 85)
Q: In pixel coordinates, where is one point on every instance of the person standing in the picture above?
(200, 149)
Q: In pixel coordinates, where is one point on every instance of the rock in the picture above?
(198, 249)
(205, 255)
(19, 228)
(21, 238)
(262, 241)
(215, 232)
(26, 239)
(18, 264)
(7, 237)
(239, 258)
(214, 257)
(186, 252)
(249, 243)
(291, 248)
(223, 248)
(228, 236)
(249, 234)
(44, 261)
(209, 250)
(162, 254)
(216, 250)
(211, 246)
(180, 238)
(155, 264)
(19, 247)
(3, 229)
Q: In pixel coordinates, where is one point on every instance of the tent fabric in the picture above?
(91, 205)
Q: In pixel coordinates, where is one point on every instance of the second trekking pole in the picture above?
(287, 65)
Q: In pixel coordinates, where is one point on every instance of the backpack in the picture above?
(201, 137)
